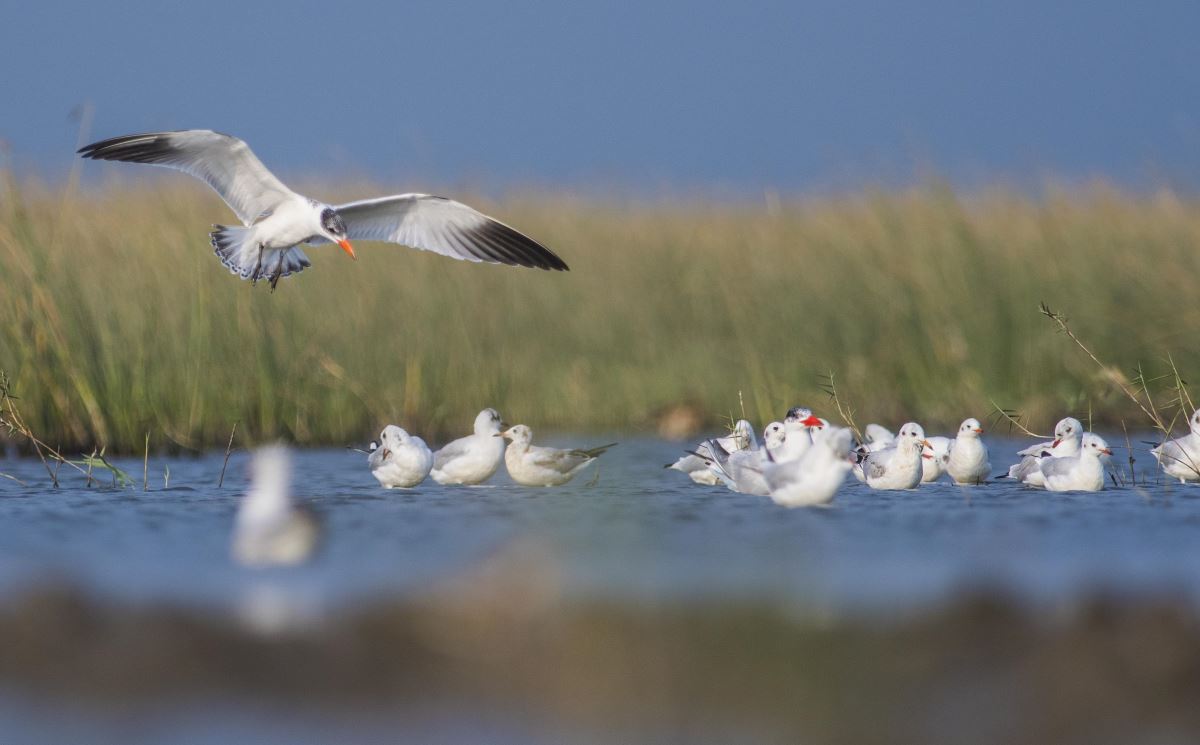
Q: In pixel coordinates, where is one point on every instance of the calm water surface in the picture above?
(640, 533)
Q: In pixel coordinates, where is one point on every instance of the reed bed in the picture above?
(116, 321)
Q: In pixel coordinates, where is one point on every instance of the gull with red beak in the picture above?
(968, 462)
(276, 220)
(1083, 471)
(897, 466)
(1067, 434)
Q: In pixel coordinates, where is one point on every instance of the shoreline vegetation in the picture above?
(116, 323)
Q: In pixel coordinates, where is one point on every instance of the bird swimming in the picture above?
(269, 529)
(534, 465)
(401, 460)
(472, 459)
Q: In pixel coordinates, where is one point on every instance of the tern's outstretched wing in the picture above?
(446, 227)
(224, 162)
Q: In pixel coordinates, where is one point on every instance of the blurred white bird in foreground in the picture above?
(968, 462)
(815, 478)
(401, 460)
(899, 465)
(533, 465)
(1180, 458)
(934, 457)
(1067, 434)
(269, 530)
(472, 459)
(1083, 471)
(696, 465)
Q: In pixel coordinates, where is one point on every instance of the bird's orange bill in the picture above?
(345, 244)
(979, 430)
(1106, 451)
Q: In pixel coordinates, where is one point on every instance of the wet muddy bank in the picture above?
(981, 668)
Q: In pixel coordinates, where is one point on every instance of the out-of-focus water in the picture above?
(639, 533)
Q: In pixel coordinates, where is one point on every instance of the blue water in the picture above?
(638, 534)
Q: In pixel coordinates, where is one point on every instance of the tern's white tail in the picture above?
(236, 249)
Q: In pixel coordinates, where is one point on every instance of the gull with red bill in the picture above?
(968, 463)
(1083, 471)
(276, 220)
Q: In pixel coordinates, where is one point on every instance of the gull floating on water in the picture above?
(401, 460)
(1067, 434)
(269, 529)
(933, 458)
(899, 465)
(797, 424)
(968, 462)
(815, 478)
(472, 459)
(276, 219)
(1083, 471)
(534, 465)
(695, 464)
(742, 471)
(1180, 458)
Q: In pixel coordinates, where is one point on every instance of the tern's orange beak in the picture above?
(1055, 443)
(812, 421)
(979, 430)
(1106, 451)
(345, 244)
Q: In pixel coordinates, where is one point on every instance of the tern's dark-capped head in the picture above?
(332, 222)
(335, 230)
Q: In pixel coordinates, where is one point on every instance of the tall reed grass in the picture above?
(116, 320)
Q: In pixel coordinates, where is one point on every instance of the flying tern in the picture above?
(276, 220)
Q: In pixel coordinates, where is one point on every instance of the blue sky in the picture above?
(708, 97)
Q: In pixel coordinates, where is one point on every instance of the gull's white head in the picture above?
(1095, 445)
(518, 434)
(743, 432)
(393, 438)
(333, 229)
(970, 428)
(774, 435)
(911, 437)
(1067, 429)
(488, 422)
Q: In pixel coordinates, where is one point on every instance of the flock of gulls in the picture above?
(802, 461)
